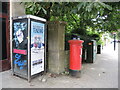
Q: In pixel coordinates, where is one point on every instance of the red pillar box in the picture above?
(75, 57)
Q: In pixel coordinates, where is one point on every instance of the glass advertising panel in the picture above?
(20, 43)
(37, 47)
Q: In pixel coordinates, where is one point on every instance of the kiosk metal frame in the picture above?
(25, 66)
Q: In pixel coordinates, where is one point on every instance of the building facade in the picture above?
(5, 33)
(7, 11)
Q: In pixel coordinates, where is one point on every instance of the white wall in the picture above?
(17, 9)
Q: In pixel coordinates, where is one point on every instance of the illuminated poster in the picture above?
(37, 47)
(20, 46)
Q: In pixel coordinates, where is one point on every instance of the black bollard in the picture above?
(114, 41)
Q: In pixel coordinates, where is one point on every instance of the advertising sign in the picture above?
(28, 50)
(20, 46)
(37, 47)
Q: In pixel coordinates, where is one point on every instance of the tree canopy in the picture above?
(88, 19)
(79, 15)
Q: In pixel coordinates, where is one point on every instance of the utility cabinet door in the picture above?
(37, 46)
(20, 43)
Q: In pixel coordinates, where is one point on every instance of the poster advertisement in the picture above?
(20, 46)
(37, 47)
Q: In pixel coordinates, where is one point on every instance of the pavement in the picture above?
(103, 73)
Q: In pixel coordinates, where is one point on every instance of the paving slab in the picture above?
(103, 73)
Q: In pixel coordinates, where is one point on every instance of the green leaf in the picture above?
(28, 6)
(79, 6)
(31, 9)
(39, 8)
(45, 12)
(90, 7)
(84, 4)
(105, 5)
(109, 7)
(74, 10)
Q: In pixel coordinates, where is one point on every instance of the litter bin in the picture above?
(98, 49)
(75, 62)
(91, 51)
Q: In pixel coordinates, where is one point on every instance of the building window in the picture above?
(4, 6)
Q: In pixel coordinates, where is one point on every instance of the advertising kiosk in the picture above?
(28, 55)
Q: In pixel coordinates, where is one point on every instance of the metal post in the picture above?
(11, 38)
(45, 39)
(11, 41)
(114, 41)
(29, 61)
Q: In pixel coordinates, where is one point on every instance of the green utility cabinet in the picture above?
(91, 51)
(84, 51)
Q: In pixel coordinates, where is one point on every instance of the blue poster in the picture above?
(37, 47)
(20, 29)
